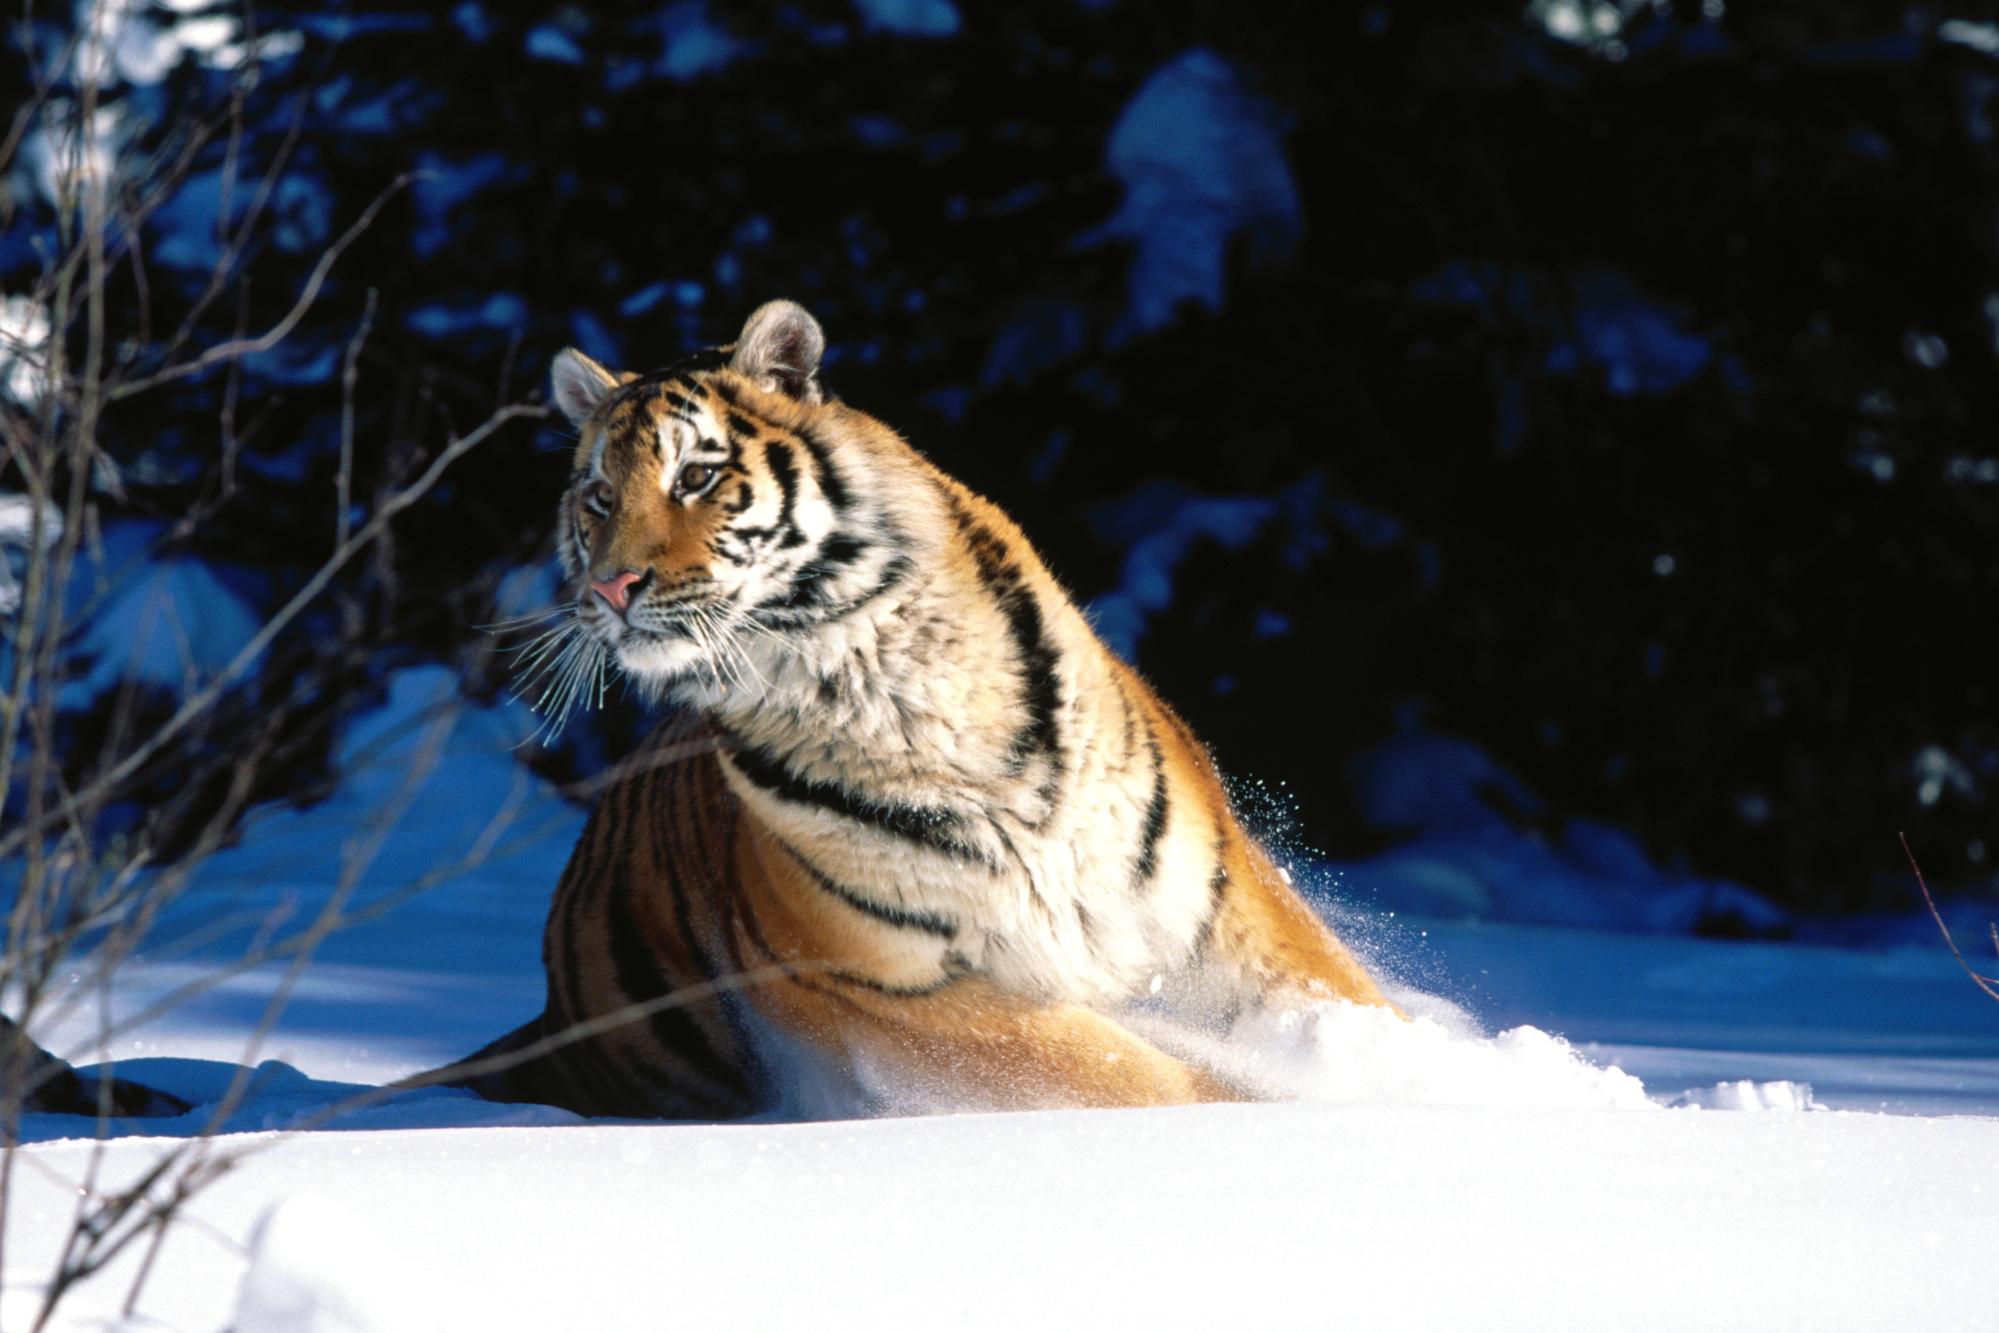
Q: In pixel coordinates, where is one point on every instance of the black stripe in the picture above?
(674, 1030)
(677, 1037)
(682, 371)
(950, 977)
(687, 787)
(747, 915)
(1041, 694)
(1218, 886)
(808, 585)
(783, 466)
(831, 484)
(719, 830)
(564, 922)
(638, 976)
(909, 919)
(580, 1063)
(933, 828)
(1155, 818)
(807, 977)
(893, 574)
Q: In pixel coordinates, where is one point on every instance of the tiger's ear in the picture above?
(581, 384)
(780, 349)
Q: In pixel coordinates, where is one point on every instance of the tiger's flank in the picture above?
(912, 836)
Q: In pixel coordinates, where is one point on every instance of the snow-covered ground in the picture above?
(1429, 1176)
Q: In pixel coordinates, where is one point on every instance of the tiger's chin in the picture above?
(656, 661)
(668, 669)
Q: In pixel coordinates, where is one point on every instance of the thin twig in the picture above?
(199, 703)
(278, 332)
(1990, 985)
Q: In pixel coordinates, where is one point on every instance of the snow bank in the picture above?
(1200, 1218)
(1344, 1053)
(441, 829)
(1745, 1095)
(1427, 1176)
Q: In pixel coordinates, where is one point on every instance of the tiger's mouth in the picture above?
(680, 615)
(671, 630)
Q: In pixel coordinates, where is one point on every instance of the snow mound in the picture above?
(1748, 1095)
(1359, 1054)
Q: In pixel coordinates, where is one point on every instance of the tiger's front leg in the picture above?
(911, 1024)
(1272, 946)
(968, 1045)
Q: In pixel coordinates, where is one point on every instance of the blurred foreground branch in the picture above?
(106, 825)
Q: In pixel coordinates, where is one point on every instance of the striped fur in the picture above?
(935, 840)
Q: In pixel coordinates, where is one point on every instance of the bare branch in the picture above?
(1990, 985)
(278, 332)
(200, 702)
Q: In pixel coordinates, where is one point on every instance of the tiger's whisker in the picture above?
(529, 618)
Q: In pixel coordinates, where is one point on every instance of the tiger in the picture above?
(911, 834)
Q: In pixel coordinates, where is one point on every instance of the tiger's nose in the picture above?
(617, 590)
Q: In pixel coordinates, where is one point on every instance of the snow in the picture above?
(548, 42)
(691, 42)
(292, 1287)
(24, 340)
(17, 536)
(1980, 37)
(1611, 1125)
(1240, 1217)
(445, 185)
(1202, 162)
(63, 162)
(1595, 319)
(910, 18)
(1473, 848)
(1348, 1054)
(1159, 524)
(499, 310)
(162, 621)
(133, 41)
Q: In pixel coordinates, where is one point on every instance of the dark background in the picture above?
(1624, 406)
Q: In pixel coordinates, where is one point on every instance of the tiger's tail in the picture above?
(504, 1070)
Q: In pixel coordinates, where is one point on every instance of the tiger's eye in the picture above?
(599, 496)
(693, 477)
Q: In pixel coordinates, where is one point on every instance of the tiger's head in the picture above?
(711, 504)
